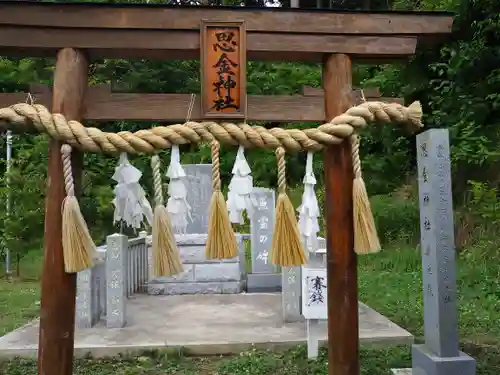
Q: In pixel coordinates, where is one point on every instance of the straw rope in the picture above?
(69, 184)
(280, 156)
(157, 184)
(24, 117)
(356, 161)
(216, 183)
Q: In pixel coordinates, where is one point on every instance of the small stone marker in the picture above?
(263, 277)
(199, 187)
(116, 291)
(440, 355)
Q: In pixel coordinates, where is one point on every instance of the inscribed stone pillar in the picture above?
(440, 355)
(85, 316)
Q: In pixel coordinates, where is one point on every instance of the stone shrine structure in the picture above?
(200, 276)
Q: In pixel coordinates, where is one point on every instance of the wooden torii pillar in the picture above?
(168, 32)
(57, 305)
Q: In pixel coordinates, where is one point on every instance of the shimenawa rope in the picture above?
(166, 257)
(365, 234)
(221, 241)
(24, 117)
(78, 247)
(287, 249)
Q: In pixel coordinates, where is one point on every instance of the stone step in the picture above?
(401, 371)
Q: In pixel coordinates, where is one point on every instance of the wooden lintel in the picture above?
(103, 105)
(370, 94)
(185, 45)
(274, 20)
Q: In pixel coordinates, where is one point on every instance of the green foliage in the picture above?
(484, 202)
(397, 220)
(457, 81)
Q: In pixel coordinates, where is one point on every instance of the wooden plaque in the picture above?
(223, 70)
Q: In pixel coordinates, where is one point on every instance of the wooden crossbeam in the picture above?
(370, 93)
(166, 32)
(183, 18)
(101, 104)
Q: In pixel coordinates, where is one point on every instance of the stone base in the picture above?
(427, 363)
(263, 282)
(229, 287)
(201, 325)
(401, 371)
(200, 275)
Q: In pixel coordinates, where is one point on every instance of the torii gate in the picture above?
(78, 32)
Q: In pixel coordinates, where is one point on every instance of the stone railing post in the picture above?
(85, 309)
(116, 280)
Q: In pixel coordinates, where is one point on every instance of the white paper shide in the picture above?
(131, 204)
(177, 205)
(239, 197)
(309, 209)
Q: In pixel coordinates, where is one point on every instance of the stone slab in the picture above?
(264, 283)
(194, 288)
(196, 254)
(201, 325)
(186, 276)
(401, 371)
(425, 362)
(217, 272)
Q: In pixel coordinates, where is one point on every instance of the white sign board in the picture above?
(314, 293)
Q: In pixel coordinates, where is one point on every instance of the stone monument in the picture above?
(199, 186)
(263, 276)
(440, 355)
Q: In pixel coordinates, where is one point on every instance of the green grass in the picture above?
(19, 296)
(390, 282)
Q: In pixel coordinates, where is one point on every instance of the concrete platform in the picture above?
(201, 325)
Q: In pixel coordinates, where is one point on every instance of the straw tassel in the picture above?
(365, 234)
(221, 242)
(166, 258)
(78, 247)
(287, 250)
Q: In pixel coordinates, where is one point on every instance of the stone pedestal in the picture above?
(426, 362)
(201, 276)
